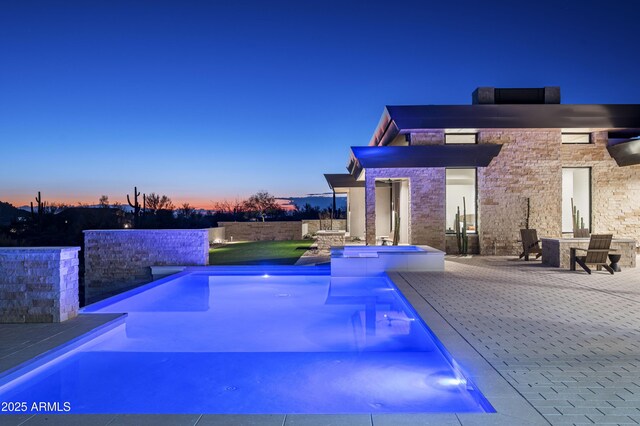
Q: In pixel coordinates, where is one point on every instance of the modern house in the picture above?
(508, 149)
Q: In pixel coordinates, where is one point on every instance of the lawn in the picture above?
(259, 253)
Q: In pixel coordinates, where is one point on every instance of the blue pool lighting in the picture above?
(231, 341)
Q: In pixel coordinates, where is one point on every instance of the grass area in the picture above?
(259, 253)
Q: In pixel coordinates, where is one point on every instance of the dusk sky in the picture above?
(209, 100)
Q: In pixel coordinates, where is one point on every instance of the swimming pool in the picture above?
(223, 342)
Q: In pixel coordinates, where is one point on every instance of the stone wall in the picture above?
(426, 201)
(262, 231)
(528, 166)
(38, 284)
(314, 225)
(615, 190)
(121, 258)
(327, 239)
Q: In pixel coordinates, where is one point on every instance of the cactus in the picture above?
(526, 222)
(41, 207)
(461, 234)
(577, 221)
(136, 205)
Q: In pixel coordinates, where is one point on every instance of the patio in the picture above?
(567, 342)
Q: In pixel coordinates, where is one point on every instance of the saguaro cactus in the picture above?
(41, 206)
(136, 205)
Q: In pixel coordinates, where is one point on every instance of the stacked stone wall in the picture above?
(327, 239)
(118, 259)
(426, 201)
(38, 284)
(262, 231)
(528, 166)
(615, 202)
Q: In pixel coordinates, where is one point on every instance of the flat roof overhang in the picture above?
(342, 182)
(625, 152)
(381, 157)
(339, 182)
(416, 118)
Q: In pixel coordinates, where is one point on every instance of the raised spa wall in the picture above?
(38, 284)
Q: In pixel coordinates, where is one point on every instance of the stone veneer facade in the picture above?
(262, 231)
(528, 166)
(38, 284)
(327, 239)
(116, 259)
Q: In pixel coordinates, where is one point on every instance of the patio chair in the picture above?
(530, 244)
(597, 254)
(581, 233)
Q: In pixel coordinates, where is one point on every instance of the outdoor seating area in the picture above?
(558, 252)
(596, 255)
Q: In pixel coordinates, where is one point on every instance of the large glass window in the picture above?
(460, 138)
(576, 198)
(461, 183)
(576, 138)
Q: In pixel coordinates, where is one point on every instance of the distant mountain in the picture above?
(317, 201)
(8, 213)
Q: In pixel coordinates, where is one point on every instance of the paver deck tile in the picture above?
(567, 341)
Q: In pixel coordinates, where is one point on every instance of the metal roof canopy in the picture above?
(339, 183)
(424, 156)
(404, 119)
(625, 152)
(343, 180)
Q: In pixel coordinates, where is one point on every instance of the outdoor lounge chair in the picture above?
(530, 243)
(597, 254)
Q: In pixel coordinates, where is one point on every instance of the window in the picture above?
(576, 196)
(576, 138)
(461, 183)
(460, 138)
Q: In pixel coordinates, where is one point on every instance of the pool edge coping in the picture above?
(504, 398)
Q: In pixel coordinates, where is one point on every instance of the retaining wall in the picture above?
(38, 284)
(262, 231)
(121, 258)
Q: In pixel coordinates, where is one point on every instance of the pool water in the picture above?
(202, 343)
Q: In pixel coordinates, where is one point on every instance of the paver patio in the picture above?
(567, 341)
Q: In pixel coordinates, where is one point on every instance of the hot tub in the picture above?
(358, 261)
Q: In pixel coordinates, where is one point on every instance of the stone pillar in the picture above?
(370, 209)
(38, 284)
(327, 239)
